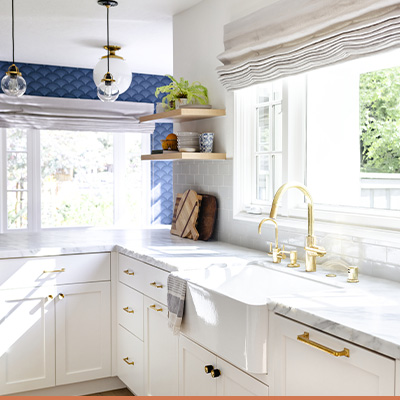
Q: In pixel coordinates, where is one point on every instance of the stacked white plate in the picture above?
(188, 141)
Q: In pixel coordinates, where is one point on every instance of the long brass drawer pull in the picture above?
(54, 271)
(154, 307)
(305, 338)
(128, 310)
(128, 362)
(129, 272)
(156, 285)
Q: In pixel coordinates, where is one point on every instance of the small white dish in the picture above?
(187, 150)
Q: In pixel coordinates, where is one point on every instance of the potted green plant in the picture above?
(182, 89)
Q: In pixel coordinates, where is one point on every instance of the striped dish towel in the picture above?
(176, 302)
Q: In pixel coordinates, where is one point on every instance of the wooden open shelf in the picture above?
(183, 115)
(184, 156)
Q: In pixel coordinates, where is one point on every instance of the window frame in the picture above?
(34, 182)
(293, 209)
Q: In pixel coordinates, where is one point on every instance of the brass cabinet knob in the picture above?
(60, 296)
(208, 369)
(215, 373)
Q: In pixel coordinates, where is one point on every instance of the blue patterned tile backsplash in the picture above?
(55, 81)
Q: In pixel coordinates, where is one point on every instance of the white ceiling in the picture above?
(73, 32)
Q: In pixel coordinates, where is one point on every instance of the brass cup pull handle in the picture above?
(54, 271)
(305, 338)
(126, 359)
(129, 272)
(158, 286)
(154, 307)
(128, 310)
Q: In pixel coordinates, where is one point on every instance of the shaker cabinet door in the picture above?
(27, 341)
(161, 351)
(83, 329)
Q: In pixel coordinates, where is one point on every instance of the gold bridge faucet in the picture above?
(312, 250)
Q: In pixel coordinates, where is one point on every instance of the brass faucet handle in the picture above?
(316, 251)
(293, 259)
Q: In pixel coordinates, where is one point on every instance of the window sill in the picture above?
(368, 235)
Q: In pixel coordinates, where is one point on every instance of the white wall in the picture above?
(198, 40)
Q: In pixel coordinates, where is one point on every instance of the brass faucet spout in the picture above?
(282, 190)
(312, 250)
(276, 229)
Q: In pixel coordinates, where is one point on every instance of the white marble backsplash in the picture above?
(377, 256)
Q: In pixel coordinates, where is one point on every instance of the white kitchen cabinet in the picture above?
(53, 329)
(197, 380)
(83, 332)
(301, 369)
(142, 288)
(130, 364)
(27, 344)
(161, 351)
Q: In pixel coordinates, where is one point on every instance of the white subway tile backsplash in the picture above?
(374, 256)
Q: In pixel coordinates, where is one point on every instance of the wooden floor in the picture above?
(120, 392)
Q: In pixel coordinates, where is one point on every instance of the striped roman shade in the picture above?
(37, 112)
(289, 37)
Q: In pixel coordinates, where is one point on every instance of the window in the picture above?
(260, 142)
(340, 136)
(58, 179)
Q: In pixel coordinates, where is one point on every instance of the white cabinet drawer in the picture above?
(130, 309)
(130, 361)
(307, 362)
(57, 270)
(143, 277)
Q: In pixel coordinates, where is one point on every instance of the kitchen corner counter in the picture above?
(366, 313)
(154, 246)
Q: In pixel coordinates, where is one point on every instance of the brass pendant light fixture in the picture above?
(108, 90)
(13, 84)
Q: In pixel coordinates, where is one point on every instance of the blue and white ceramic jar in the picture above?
(206, 141)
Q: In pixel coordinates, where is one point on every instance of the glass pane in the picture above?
(17, 210)
(17, 171)
(16, 139)
(77, 178)
(263, 93)
(262, 177)
(277, 137)
(263, 131)
(133, 209)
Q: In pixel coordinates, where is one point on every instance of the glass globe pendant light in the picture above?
(108, 90)
(120, 68)
(13, 84)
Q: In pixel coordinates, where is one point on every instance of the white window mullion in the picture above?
(34, 181)
(119, 177)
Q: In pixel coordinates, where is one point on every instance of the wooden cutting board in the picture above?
(206, 219)
(207, 216)
(187, 211)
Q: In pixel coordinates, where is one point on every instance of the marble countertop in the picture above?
(366, 313)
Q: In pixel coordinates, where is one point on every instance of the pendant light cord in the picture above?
(108, 39)
(12, 24)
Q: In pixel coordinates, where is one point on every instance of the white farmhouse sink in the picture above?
(226, 308)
